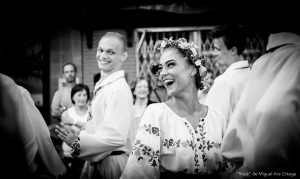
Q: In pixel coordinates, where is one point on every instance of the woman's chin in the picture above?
(170, 92)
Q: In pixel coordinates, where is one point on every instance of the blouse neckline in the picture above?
(183, 117)
(185, 120)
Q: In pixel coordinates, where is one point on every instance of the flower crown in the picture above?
(189, 49)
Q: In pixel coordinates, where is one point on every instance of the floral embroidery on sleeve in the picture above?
(145, 153)
(151, 130)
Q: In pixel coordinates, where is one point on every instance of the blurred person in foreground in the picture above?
(264, 133)
(41, 158)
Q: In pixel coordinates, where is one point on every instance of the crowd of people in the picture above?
(241, 122)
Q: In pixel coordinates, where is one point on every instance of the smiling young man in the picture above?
(229, 43)
(107, 139)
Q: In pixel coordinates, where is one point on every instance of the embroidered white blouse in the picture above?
(112, 118)
(167, 142)
(227, 88)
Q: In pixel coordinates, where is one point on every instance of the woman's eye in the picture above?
(170, 65)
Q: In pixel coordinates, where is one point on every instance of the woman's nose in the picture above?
(162, 73)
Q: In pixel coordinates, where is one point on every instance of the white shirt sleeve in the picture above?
(219, 97)
(113, 132)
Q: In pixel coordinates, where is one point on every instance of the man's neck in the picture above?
(104, 75)
(70, 84)
(237, 59)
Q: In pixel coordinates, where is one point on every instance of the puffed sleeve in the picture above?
(143, 161)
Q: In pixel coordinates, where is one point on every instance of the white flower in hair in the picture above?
(194, 51)
(163, 44)
(202, 71)
(171, 39)
(184, 45)
(198, 63)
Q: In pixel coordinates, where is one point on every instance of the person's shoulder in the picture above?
(6, 80)
(292, 49)
(155, 107)
(57, 92)
(214, 112)
(220, 81)
(154, 113)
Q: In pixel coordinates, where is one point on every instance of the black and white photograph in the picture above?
(150, 89)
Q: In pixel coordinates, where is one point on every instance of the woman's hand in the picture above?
(66, 133)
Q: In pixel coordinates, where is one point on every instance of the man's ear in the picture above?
(234, 51)
(124, 56)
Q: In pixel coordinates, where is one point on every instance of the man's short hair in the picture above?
(69, 63)
(233, 36)
(119, 36)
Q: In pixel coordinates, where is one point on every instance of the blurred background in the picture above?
(37, 38)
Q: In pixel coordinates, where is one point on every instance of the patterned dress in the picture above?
(168, 145)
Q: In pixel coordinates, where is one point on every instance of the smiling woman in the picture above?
(179, 138)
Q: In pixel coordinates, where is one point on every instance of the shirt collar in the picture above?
(282, 38)
(238, 65)
(111, 78)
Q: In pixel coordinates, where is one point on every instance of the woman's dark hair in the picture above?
(80, 87)
(135, 82)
